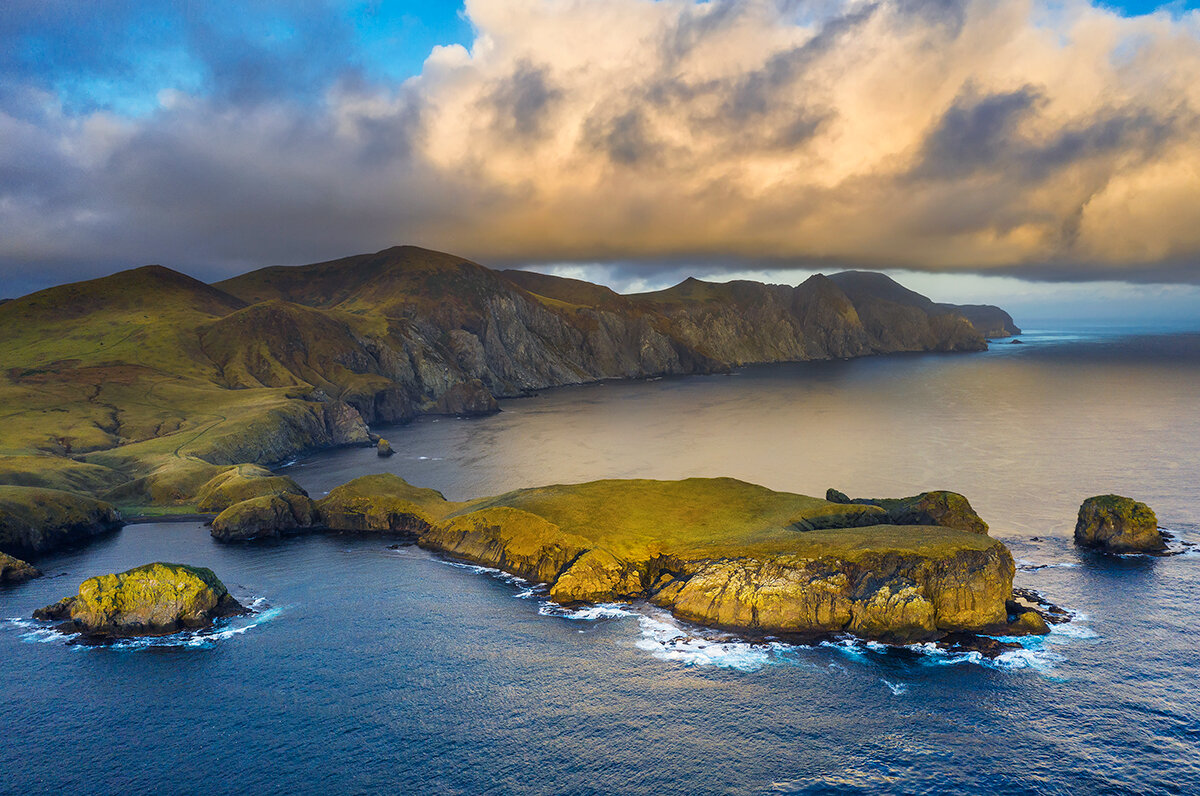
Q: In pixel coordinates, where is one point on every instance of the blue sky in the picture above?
(184, 46)
(121, 59)
(216, 136)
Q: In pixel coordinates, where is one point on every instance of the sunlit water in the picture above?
(369, 669)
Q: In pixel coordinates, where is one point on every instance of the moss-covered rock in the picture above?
(153, 599)
(940, 507)
(838, 515)
(894, 595)
(241, 483)
(384, 448)
(34, 520)
(1116, 524)
(1027, 622)
(14, 570)
(599, 576)
(381, 503)
(268, 515)
(729, 554)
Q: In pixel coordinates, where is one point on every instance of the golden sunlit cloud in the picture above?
(1046, 139)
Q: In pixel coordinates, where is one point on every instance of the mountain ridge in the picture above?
(150, 377)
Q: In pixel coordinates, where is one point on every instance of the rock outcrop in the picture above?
(14, 570)
(379, 504)
(719, 552)
(467, 399)
(268, 515)
(34, 520)
(384, 449)
(242, 483)
(1115, 524)
(948, 509)
(150, 600)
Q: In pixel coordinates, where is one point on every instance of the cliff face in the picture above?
(36, 520)
(718, 552)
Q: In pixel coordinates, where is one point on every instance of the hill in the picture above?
(136, 386)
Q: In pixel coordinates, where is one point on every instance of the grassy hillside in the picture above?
(134, 386)
(704, 518)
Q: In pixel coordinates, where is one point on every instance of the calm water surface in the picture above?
(372, 669)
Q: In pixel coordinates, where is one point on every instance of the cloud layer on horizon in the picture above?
(1047, 140)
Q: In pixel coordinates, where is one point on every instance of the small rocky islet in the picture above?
(151, 600)
(1116, 524)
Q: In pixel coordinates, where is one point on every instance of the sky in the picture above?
(1047, 151)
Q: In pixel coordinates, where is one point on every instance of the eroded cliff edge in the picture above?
(718, 552)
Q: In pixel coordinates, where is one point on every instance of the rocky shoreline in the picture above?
(717, 552)
(263, 367)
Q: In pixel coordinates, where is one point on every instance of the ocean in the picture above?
(372, 667)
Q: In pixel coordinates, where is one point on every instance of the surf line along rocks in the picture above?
(719, 552)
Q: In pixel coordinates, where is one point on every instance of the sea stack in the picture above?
(151, 600)
(1115, 524)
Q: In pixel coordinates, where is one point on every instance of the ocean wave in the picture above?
(33, 631)
(589, 613)
(897, 689)
(669, 639)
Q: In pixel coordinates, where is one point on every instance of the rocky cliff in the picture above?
(1116, 524)
(719, 552)
(162, 377)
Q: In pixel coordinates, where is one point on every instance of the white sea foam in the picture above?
(1025, 565)
(589, 613)
(1059, 634)
(527, 588)
(667, 639)
(35, 632)
(897, 689)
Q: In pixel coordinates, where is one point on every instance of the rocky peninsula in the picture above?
(151, 600)
(148, 392)
(719, 552)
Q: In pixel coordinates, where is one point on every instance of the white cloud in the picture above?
(1048, 138)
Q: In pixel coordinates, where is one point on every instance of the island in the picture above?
(151, 600)
(1116, 524)
(718, 552)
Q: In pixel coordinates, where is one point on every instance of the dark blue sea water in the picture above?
(370, 669)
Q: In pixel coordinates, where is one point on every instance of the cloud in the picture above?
(1051, 140)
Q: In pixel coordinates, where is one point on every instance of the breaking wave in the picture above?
(666, 638)
(32, 631)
